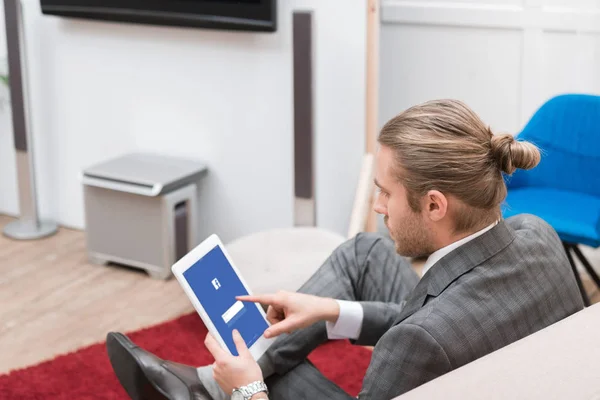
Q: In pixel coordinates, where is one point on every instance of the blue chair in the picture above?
(564, 189)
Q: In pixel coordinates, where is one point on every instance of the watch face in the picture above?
(237, 395)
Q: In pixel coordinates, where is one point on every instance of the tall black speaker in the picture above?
(304, 171)
(28, 226)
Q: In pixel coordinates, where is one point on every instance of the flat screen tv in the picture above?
(251, 15)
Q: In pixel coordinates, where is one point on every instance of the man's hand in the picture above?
(289, 311)
(229, 371)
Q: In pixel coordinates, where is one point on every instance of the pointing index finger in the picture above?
(263, 299)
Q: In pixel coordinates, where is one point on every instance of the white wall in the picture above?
(100, 89)
(503, 57)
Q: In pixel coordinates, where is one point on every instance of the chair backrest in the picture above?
(567, 130)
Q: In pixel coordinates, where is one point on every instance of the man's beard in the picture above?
(412, 238)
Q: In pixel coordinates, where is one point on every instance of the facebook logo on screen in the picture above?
(216, 285)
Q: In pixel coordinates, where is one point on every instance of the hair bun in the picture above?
(511, 154)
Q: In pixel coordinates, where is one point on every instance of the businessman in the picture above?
(487, 282)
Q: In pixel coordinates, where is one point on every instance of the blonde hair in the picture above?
(444, 145)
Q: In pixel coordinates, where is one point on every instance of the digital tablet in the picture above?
(212, 282)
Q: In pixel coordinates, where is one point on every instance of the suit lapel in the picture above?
(457, 263)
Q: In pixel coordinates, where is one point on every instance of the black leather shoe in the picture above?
(147, 377)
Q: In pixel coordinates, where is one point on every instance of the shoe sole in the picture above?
(126, 366)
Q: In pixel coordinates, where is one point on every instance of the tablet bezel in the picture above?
(262, 344)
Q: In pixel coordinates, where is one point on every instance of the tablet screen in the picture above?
(216, 285)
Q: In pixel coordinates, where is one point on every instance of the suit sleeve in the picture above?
(406, 356)
(378, 318)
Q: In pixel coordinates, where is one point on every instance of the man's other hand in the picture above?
(229, 371)
(289, 311)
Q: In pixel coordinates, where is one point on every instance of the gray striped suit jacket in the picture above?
(509, 282)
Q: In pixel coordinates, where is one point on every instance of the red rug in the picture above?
(86, 373)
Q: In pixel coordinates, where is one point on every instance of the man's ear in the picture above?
(435, 205)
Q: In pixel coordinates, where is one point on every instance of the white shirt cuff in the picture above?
(349, 322)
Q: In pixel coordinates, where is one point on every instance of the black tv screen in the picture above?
(251, 15)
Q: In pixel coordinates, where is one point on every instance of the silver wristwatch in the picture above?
(246, 392)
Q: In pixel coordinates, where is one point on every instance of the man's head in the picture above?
(439, 171)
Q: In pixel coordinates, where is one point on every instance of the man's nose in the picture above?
(379, 208)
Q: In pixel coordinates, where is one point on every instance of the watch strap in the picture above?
(252, 388)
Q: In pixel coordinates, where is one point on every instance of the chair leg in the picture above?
(588, 267)
(584, 296)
